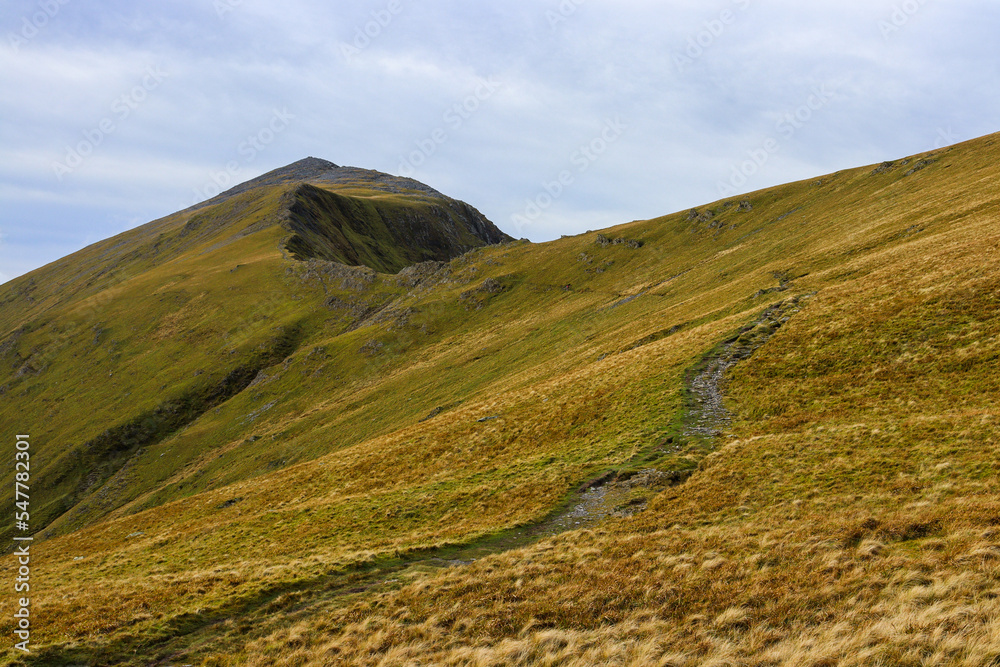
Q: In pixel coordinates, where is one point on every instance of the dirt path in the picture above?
(707, 414)
(706, 417)
(615, 494)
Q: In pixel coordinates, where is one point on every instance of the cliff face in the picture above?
(387, 232)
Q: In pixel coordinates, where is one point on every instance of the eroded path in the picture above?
(614, 494)
(707, 414)
(705, 418)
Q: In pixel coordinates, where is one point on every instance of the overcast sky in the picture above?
(552, 117)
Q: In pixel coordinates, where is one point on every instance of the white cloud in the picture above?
(559, 83)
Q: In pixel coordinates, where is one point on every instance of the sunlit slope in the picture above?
(851, 520)
(383, 414)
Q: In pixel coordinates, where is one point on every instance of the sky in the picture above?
(552, 117)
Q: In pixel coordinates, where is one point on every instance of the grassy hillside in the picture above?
(254, 459)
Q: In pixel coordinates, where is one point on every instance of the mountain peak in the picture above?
(308, 165)
(319, 171)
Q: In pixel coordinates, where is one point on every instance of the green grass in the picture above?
(265, 508)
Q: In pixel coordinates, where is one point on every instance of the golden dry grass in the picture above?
(850, 517)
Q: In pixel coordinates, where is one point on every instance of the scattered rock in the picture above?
(604, 242)
(745, 205)
(434, 413)
(486, 419)
(27, 369)
(769, 290)
(785, 215)
(491, 286)
(883, 168)
(352, 278)
(476, 298)
(422, 274)
(653, 337)
(918, 166)
(260, 378)
(598, 481)
(651, 478)
(228, 503)
(626, 300)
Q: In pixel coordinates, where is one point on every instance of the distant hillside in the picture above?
(332, 417)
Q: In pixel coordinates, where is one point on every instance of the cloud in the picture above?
(690, 122)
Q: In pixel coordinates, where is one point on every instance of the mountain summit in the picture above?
(310, 209)
(317, 170)
(363, 217)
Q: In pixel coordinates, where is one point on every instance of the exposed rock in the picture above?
(384, 236)
(918, 166)
(604, 242)
(421, 274)
(652, 478)
(883, 168)
(479, 296)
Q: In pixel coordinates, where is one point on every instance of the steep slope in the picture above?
(384, 235)
(396, 423)
(120, 345)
